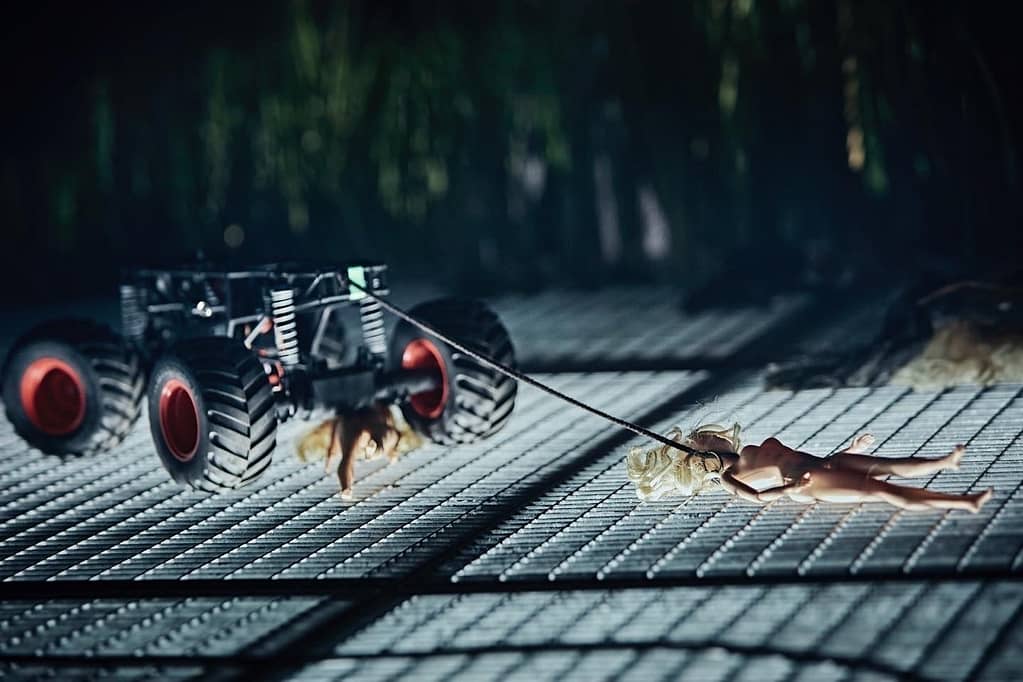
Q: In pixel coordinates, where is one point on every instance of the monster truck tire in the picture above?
(72, 387)
(212, 414)
(474, 401)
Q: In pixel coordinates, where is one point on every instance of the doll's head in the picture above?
(664, 471)
(716, 437)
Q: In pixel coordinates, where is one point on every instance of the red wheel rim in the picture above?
(53, 396)
(422, 354)
(179, 420)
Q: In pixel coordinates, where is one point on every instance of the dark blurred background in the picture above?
(513, 145)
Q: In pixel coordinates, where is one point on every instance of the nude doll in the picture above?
(367, 434)
(769, 471)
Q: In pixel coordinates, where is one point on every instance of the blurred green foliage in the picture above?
(459, 140)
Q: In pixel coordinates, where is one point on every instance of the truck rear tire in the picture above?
(72, 387)
(212, 414)
(474, 401)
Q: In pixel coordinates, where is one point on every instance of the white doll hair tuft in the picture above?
(665, 472)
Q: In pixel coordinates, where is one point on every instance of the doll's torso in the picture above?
(772, 464)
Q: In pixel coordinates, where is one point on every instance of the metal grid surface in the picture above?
(856, 630)
(547, 499)
(859, 321)
(528, 555)
(626, 327)
(119, 516)
(587, 665)
(129, 671)
(950, 631)
(591, 526)
(194, 626)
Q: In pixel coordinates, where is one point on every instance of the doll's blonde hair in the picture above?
(664, 471)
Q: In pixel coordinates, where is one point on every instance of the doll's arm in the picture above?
(772, 494)
(737, 487)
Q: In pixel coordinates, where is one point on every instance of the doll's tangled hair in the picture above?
(324, 440)
(664, 471)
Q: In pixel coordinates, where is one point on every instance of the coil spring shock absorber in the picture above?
(133, 315)
(373, 327)
(282, 307)
(211, 295)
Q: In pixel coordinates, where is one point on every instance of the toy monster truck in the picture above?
(227, 355)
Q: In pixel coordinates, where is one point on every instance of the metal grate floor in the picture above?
(543, 501)
(489, 519)
(591, 526)
(884, 629)
(849, 631)
(630, 327)
(194, 626)
(120, 516)
(528, 556)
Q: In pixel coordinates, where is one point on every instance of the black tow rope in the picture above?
(521, 376)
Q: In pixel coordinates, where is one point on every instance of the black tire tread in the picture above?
(484, 397)
(239, 406)
(119, 370)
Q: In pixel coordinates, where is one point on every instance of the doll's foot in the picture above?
(953, 459)
(861, 443)
(980, 499)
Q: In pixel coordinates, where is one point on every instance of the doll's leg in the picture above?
(333, 458)
(352, 442)
(898, 466)
(365, 433)
(838, 485)
(921, 498)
